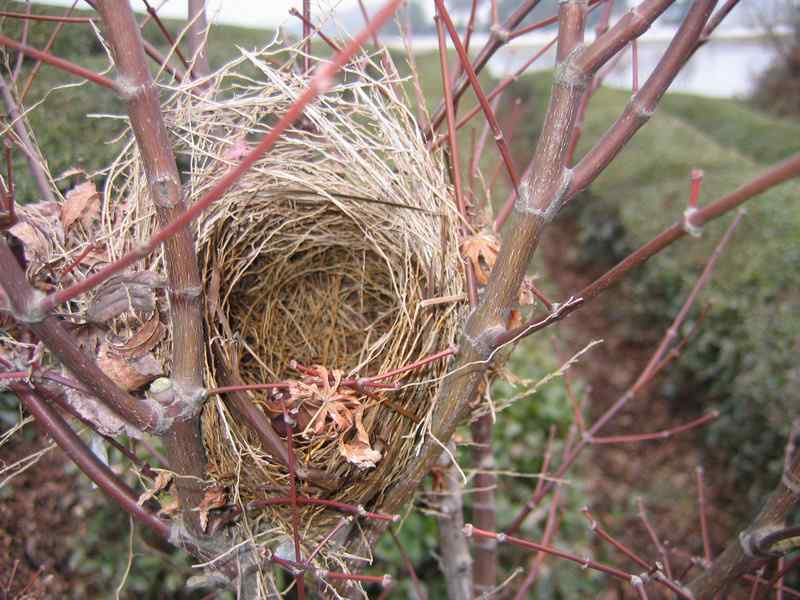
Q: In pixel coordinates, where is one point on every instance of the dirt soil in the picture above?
(37, 525)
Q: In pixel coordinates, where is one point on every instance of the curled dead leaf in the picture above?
(358, 451)
(141, 342)
(128, 373)
(163, 479)
(81, 202)
(481, 249)
(215, 497)
(129, 291)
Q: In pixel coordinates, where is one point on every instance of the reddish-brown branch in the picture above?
(530, 505)
(365, 14)
(653, 367)
(455, 161)
(295, 13)
(496, 41)
(658, 435)
(654, 538)
(502, 146)
(585, 563)
(409, 566)
(59, 63)
(46, 18)
(773, 176)
(167, 35)
(76, 450)
(536, 563)
(643, 103)
(495, 93)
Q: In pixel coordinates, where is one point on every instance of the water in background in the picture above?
(727, 66)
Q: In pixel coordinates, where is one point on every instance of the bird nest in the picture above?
(316, 266)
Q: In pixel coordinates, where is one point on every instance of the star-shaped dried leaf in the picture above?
(215, 497)
(163, 479)
(481, 249)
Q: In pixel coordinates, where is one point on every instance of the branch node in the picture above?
(640, 110)
(166, 191)
(569, 74)
(750, 541)
(468, 530)
(526, 205)
(35, 313)
(485, 342)
(128, 90)
(500, 33)
(692, 229)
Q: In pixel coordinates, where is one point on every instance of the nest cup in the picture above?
(322, 254)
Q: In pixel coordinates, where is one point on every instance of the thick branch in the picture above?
(76, 450)
(198, 27)
(455, 557)
(183, 443)
(746, 551)
(643, 103)
(138, 412)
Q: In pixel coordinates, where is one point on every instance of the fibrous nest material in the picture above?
(315, 266)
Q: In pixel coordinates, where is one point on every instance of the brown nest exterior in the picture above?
(320, 255)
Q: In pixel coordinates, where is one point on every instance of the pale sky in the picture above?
(249, 13)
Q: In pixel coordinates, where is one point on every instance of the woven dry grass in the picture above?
(321, 254)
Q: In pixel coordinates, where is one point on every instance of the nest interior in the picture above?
(320, 254)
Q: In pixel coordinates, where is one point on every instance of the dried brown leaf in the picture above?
(130, 291)
(128, 373)
(358, 451)
(215, 497)
(163, 479)
(141, 342)
(481, 249)
(81, 202)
